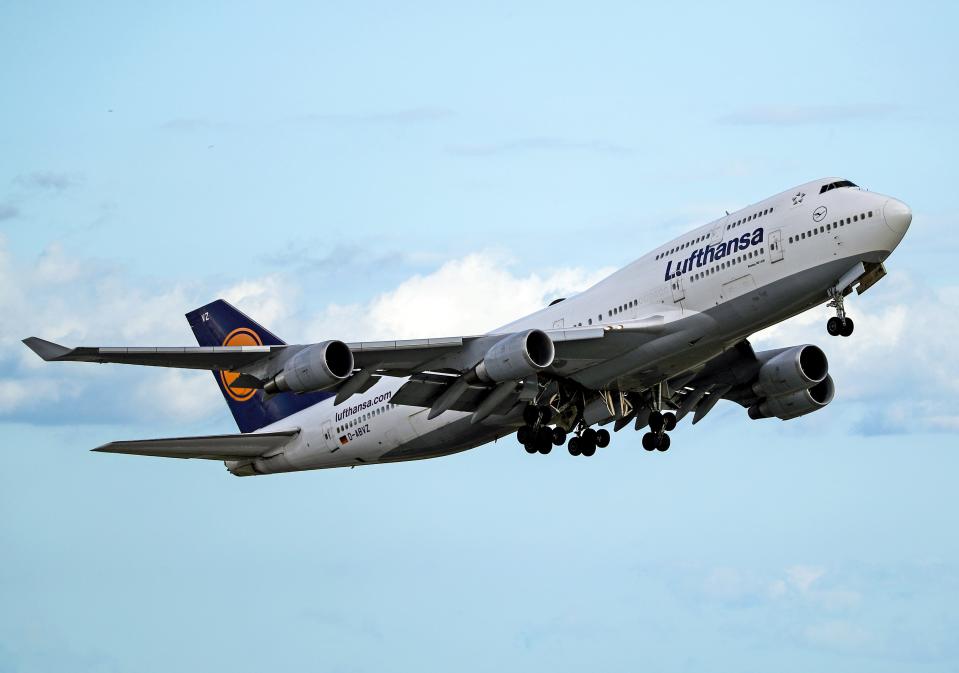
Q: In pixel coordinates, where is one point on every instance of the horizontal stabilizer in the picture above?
(211, 447)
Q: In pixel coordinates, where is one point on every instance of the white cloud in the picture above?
(471, 295)
(268, 300)
(899, 365)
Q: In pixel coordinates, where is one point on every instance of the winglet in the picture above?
(46, 349)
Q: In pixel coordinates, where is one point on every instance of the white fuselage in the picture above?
(780, 243)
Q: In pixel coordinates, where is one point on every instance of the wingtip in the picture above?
(45, 349)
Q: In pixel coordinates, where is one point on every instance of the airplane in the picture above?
(662, 338)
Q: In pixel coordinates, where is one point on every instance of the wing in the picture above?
(229, 358)
(576, 349)
(213, 447)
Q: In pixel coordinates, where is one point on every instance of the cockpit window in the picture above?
(836, 185)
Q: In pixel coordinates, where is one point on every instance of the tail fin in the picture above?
(221, 324)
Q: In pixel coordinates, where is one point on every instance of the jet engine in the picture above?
(517, 356)
(795, 404)
(790, 370)
(316, 367)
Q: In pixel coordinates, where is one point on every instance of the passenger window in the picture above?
(870, 213)
(822, 230)
(855, 218)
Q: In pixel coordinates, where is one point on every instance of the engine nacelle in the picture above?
(794, 369)
(795, 404)
(316, 367)
(517, 356)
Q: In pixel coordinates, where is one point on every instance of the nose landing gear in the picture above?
(838, 325)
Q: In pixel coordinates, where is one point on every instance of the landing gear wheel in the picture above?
(545, 448)
(524, 434)
(602, 438)
(656, 421)
(663, 444)
(544, 439)
(669, 421)
(574, 446)
(530, 448)
(649, 441)
(588, 436)
(559, 436)
(847, 328)
(589, 449)
(834, 326)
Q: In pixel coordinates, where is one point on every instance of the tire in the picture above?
(530, 448)
(545, 448)
(649, 441)
(559, 436)
(847, 328)
(656, 421)
(544, 437)
(669, 421)
(574, 446)
(663, 444)
(834, 326)
(602, 438)
(524, 434)
(589, 436)
(589, 449)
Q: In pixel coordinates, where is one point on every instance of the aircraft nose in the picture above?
(898, 215)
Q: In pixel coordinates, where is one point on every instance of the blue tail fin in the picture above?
(220, 324)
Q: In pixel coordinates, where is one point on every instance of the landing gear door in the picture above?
(677, 286)
(775, 246)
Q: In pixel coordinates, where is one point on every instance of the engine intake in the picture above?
(795, 404)
(316, 367)
(791, 370)
(517, 356)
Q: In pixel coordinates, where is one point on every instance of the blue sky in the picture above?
(375, 169)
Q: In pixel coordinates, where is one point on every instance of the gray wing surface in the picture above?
(185, 357)
(212, 447)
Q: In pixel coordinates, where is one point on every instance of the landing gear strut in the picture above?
(838, 325)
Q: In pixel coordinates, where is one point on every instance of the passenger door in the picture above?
(677, 286)
(775, 245)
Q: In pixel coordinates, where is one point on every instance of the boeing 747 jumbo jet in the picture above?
(660, 339)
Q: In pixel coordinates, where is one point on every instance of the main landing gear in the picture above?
(838, 325)
(659, 424)
(537, 437)
(587, 441)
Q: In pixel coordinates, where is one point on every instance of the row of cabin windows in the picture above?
(823, 228)
(700, 239)
(619, 309)
(613, 311)
(362, 418)
(725, 264)
(748, 218)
